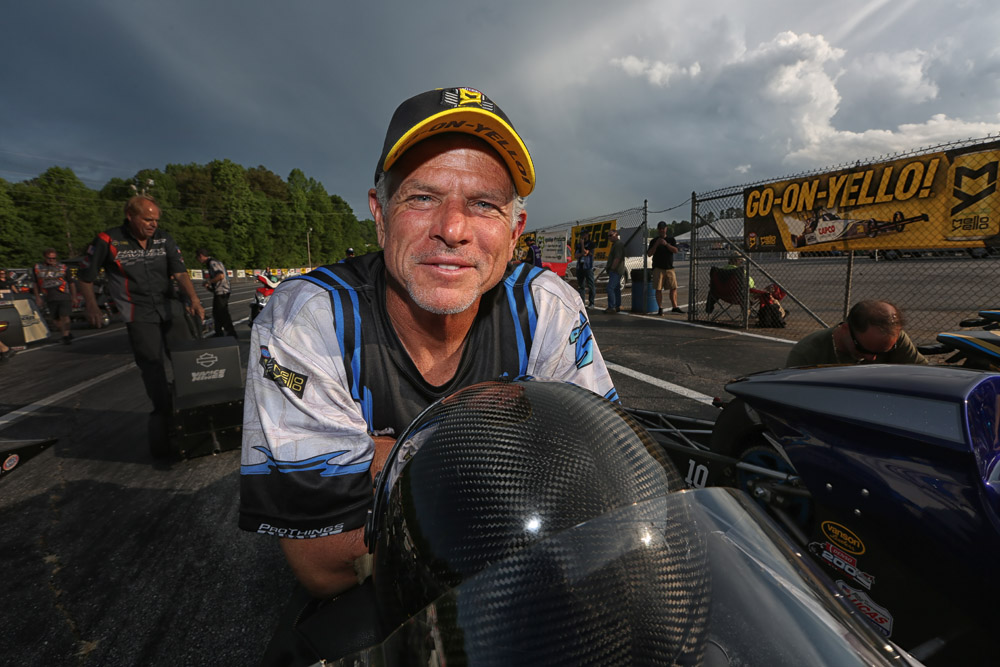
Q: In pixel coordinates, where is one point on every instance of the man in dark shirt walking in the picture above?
(217, 282)
(139, 259)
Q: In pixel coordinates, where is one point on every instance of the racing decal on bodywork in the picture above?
(842, 562)
(875, 613)
(323, 463)
(583, 338)
(296, 382)
(843, 537)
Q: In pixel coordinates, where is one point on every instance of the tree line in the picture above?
(247, 218)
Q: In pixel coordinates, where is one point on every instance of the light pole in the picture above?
(309, 255)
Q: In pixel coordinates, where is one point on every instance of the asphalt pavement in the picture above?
(112, 558)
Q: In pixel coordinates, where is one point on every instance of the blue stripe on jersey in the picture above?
(362, 395)
(522, 351)
(529, 301)
(523, 331)
(321, 463)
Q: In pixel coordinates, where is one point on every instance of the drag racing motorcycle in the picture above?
(261, 295)
(979, 348)
(887, 476)
(534, 522)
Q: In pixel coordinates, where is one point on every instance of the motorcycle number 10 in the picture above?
(697, 474)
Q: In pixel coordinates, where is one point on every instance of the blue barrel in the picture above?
(643, 296)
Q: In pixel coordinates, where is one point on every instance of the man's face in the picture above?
(143, 223)
(446, 229)
(662, 231)
(51, 258)
(201, 259)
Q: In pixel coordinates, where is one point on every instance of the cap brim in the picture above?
(478, 123)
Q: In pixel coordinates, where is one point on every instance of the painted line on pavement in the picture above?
(662, 384)
(19, 414)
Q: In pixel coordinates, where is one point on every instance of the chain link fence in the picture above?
(919, 230)
(632, 227)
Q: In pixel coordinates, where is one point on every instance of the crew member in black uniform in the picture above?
(139, 259)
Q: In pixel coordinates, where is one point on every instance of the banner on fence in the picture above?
(598, 236)
(554, 246)
(936, 200)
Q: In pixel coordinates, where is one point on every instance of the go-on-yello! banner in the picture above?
(935, 200)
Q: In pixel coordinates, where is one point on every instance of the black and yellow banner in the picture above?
(598, 236)
(935, 200)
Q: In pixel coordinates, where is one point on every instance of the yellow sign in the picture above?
(598, 236)
(935, 200)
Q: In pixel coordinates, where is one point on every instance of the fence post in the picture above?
(847, 287)
(692, 259)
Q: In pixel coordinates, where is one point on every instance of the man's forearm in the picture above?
(87, 290)
(184, 280)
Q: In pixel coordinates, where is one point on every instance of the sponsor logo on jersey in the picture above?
(295, 382)
(296, 534)
(582, 337)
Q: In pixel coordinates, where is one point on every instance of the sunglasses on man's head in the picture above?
(861, 348)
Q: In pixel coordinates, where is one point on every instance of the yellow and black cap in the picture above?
(463, 110)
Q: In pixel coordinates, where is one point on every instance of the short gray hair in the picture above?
(382, 197)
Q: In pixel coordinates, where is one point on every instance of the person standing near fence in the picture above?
(585, 268)
(615, 268)
(662, 250)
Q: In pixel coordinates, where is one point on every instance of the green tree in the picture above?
(15, 233)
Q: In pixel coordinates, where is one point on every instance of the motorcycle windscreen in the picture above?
(565, 601)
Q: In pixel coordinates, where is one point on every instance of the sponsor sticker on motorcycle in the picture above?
(11, 462)
(842, 562)
(874, 612)
(843, 537)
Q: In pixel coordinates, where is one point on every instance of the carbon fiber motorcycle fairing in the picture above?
(499, 467)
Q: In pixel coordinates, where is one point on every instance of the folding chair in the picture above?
(725, 290)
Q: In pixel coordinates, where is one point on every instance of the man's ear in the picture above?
(377, 215)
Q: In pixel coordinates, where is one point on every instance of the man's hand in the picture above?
(196, 310)
(94, 316)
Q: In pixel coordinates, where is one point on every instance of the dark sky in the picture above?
(617, 102)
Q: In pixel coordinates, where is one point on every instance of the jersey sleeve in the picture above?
(93, 259)
(564, 347)
(175, 260)
(306, 448)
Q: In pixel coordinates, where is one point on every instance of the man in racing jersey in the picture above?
(217, 283)
(53, 287)
(348, 355)
(872, 334)
(139, 259)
